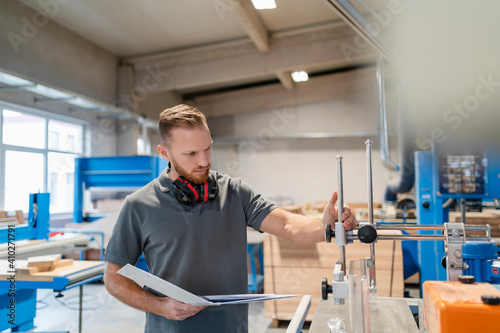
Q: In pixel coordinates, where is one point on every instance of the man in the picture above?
(190, 223)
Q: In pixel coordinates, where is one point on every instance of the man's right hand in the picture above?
(175, 310)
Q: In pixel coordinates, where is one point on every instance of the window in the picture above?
(61, 173)
(23, 130)
(65, 136)
(38, 154)
(23, 175)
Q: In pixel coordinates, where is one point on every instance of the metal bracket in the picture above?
(340, 286)
(454, 239)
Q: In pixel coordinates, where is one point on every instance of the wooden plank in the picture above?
(8, 220)
(21, 265)
(17, 218)
(26, 270)
(479, 218)
(476, 217)
(46, 276)
(63, 263)
(20, 216)
(76, 267)
(44, 263)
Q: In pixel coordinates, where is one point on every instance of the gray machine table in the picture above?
(390, 315)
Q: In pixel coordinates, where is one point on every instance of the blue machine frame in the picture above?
(430, 201)
(24, 292)
(122, 173)
(25, 298)
(38, 220)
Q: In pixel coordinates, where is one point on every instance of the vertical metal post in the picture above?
(463, 209)
(368, 144)
(80, 310)
(340, 234)
(371, 262)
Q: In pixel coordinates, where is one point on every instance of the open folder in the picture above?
(145, 279)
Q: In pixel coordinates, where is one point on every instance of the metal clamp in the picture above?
(454, 239)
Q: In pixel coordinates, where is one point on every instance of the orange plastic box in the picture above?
(457, 307)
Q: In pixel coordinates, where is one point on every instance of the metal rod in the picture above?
(340, 195)
(368, 144)
(342, 258)
(463, 208)
(410, 227)
(48, 99)
(478, 239)
(477, 227)
(384, 141)
(80, 310)
(341, 189)
(372, 270)
(411, 237)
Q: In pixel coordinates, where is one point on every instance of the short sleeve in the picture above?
(124, 246)
(255, 206)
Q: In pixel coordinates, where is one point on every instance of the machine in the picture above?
(112, 173)
(469, 178)
(464, 249)
(18, 294)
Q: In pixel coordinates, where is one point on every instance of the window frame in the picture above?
(44, 151)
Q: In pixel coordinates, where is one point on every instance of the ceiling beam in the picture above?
(272, 96)
(251, 23)
(286, 80)
(316, 50)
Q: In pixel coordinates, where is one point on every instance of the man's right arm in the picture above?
(133, 295)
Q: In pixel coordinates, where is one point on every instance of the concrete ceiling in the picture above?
(210, 47)
(133, 27)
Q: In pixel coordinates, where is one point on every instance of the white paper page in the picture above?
(247, 298)
(166, 288)
(235, 297)
(143, 278)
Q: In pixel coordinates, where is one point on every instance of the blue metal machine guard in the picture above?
(113, 172)
(430, 205)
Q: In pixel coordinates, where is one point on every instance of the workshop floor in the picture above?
(106, 314)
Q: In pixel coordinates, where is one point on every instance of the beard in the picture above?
(197, 179)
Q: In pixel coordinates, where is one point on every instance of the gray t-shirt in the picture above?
(201, 249)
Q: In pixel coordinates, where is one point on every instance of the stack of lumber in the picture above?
(487, 216)
(10, 218)
(27, 270)
(47, 263)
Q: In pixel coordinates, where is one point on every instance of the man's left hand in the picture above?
(330, 215)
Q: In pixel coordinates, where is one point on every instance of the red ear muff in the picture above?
(189, 194)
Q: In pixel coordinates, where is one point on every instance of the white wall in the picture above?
(306, 169)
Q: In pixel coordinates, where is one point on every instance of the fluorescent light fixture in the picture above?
(12, 80)
(300, 76)
(83, 103)
(72, 99)
(49, 92)
(264, 4)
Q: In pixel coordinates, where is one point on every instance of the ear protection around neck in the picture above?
(190, 194)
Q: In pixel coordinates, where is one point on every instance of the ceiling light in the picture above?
(300, 76)
(13, 80)
(264, 4)
(49, 92)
